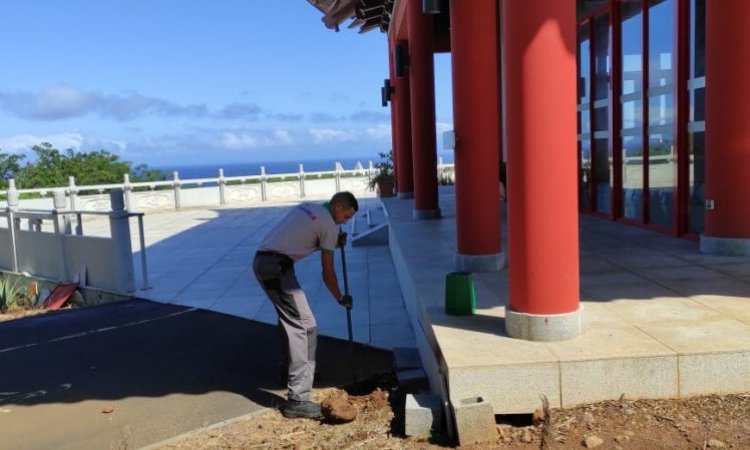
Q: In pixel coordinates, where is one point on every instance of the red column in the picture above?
(540, 100)
(394, 122)
(402, 118)
(727, 130)
(422, 96)
(476, 120)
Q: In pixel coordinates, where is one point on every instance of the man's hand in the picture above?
(347, 301)
(342, 239)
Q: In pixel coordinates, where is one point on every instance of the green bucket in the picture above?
(460, 295)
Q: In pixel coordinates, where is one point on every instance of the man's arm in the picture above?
(329, 274)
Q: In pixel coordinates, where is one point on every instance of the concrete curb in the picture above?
(188, 434)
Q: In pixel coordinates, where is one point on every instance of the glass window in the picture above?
(632, 177)
(603, 175)
(632, 47)
(584, 65)
(601, 57)
(662, 170)
(632, 115)
(584, 178)
(661, 43)
(661, 109)
(698, 38)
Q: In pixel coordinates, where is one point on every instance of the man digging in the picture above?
(306, 228)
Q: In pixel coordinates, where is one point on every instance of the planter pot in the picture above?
(385, 188)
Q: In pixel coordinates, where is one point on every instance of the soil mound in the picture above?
(338, 408)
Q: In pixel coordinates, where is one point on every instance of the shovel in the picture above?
(346, 292)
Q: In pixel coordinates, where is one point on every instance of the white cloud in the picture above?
(24, 142)
(247, 139)
(324, 135)
(379, 132)
(238, 141)
(64, 102)
(441, 127)
(283, 137)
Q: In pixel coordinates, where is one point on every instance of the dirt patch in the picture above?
(337, 408)
(710, 422)
(19, 312)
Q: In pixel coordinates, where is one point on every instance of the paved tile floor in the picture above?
(202, 258)
(660, 318)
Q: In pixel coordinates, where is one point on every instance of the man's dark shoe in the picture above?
(305, 409)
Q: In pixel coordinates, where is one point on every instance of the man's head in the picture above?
(343, 206)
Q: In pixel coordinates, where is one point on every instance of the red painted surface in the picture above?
(397, 29)
(59, 296)
(476, 119)
(727, 112)
(422, 96)
(394, 125)
(402, 111)
(540, 82)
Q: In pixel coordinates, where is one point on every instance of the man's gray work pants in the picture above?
(275, 273)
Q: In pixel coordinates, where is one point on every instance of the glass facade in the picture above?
(631, 104)
(662, 155)
(602, 160)
(642, 182)
(584, 120)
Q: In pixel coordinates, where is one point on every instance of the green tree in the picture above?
(53, 167)
(10, 165)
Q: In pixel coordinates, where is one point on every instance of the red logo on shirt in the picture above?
(309, 213)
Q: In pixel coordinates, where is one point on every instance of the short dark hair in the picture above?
(345, 198)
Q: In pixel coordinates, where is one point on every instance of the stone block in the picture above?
(423, 414)
(475, 421)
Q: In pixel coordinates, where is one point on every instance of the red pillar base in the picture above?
(724, 246)
(426, 214)
(543, 327)
(479, 263)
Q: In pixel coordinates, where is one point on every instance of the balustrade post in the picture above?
(337, 175)
(127, 188)
(222, 188)
(72, 192)
(176, 188)
(60, 211)
(263, 187)
(13, 222)
(119, 227)
(440, 169)
(61, 223)
(301, 181)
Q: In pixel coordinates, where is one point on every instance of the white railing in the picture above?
(61, 251)
(177, 193)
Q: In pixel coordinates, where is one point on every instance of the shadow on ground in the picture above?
(144, 349)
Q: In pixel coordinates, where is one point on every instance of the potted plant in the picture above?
(383, 178)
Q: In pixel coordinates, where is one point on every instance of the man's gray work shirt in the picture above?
(306, 228)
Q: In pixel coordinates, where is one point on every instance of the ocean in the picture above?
(253, 168)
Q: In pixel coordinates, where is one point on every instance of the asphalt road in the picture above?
(163, 370)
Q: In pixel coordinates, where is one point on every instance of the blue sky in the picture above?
(168, 82)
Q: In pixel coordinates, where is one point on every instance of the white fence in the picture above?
(246, 190)
(178, 193)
